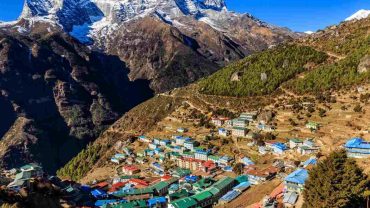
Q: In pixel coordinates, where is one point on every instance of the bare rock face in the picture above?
(364, 65)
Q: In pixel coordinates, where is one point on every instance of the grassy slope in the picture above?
(350, 40)
(279, 64)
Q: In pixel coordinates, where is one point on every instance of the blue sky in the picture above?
(298, 15)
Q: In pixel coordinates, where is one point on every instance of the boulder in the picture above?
(364, 65)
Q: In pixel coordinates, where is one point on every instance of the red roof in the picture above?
(117, 186)
(101, 184)
(166, 177)
(130, 168)
(139, 182)
(209, 164)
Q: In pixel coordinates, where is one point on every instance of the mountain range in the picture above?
(70, 68)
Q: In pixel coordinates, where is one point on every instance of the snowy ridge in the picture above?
(88, 20)
(361, 14)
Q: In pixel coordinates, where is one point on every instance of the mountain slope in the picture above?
(203, 31)
(58, 96)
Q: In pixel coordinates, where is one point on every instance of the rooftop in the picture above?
(184, 203)
(298, 176)
(357, 143)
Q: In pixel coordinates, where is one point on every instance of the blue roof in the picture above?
(242, 186)
(247, 161)
(191, 178)
(357, 143)
(230, 196)
(298, 176)
(280, 146)
(157, 200)
(98, 193)
(100, 203)
(311, 161)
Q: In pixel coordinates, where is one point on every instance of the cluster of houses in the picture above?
(238, 127)
(184, 151)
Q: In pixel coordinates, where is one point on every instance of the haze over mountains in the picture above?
(70, 68)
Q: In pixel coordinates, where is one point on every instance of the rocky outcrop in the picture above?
(364, 65)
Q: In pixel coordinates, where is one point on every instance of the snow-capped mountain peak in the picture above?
(361, 14)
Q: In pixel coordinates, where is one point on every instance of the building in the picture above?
(164, 142)
(313, 126)
(130, 170)
(240, 122)
(188, 155)
(144, 139)
(357, 148)
(265, 127)
(219, 121)
(225, 160)
(214, 158)
(308, 147)
(34, 169)
(201, 155)
(239, 131)
(294, 182)
(249, 116)
(153, 146)
(191, 144)
(246, 161)
(257, 176)
(223, 132)
(293, 143)
(309, 162)
(189, 163)
(182, 130)
(279, 148)
(290, 199)
(209, 167)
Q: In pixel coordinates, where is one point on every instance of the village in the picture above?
(218, 168)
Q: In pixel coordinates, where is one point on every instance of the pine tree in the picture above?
(336, 182)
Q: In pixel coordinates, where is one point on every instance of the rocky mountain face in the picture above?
(56, 96)
(169, 42)
(70, 68)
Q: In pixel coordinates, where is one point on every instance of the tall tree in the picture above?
(336, 182)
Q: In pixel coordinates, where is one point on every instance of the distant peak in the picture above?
(361, 14)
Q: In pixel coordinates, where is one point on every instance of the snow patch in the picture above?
(361, 14)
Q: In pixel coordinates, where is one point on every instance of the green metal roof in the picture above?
(213, 190)
(204, 183)
(239, 128)
(182, 172)
(222, 183)
(214, 157)
(184, 203)
(177, 195)
(202, 196)
(159, 186)
(242, 178)
(296, 140)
